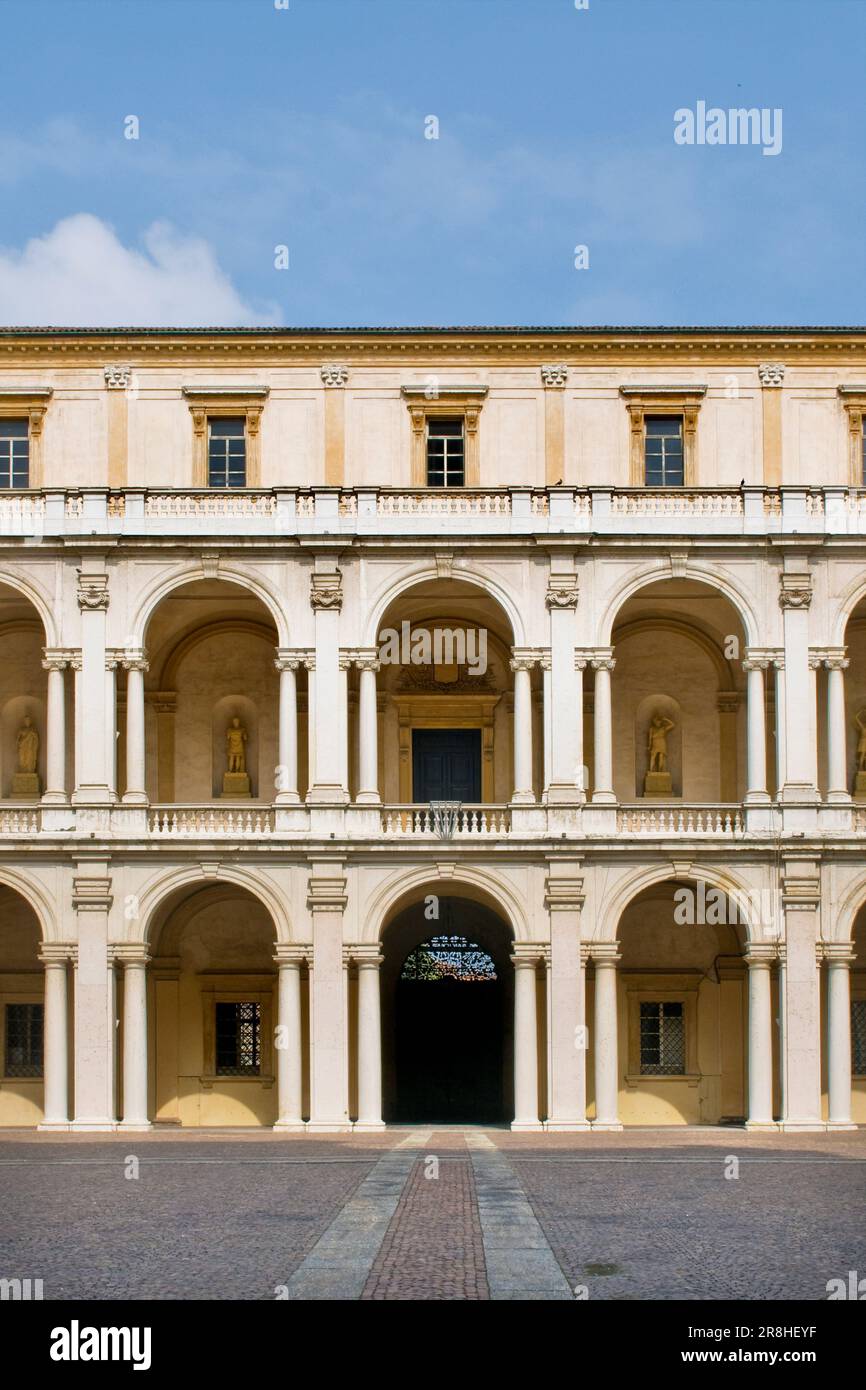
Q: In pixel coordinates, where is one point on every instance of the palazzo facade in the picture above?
(432, 725)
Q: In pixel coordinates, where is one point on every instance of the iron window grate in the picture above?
(238, 1039)
(858, 1036)
(662, 1039)
(24, 1039)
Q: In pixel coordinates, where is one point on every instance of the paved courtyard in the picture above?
(433, 1214)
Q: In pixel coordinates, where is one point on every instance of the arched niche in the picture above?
(668, 708)
(12, 716)
(224, 711)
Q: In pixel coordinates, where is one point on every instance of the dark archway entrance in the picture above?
(447, 1015)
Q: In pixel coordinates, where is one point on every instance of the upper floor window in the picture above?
(227, 452)
(446, 453)
(23, 1040)
(663, 451)
(663, 424)
(662, 1039)
(14, 453)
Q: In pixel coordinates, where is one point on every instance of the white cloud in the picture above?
(81, 274)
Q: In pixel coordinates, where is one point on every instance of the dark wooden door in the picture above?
(446, 765)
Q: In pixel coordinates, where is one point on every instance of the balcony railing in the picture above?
(680, 820)
(20, 820)
(183, 822)
(281, 511)
(477, 822)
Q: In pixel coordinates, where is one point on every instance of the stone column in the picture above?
(547, 706)
(566, 699)
(781, 773)
(603, 791)
(837, 754)
(134, 959)
(55, 958)
(329, 1101)
(55, 664)
(95, 1022)
(759, 959)
(289, 1040)
(795, 596)
(525, 962)
(368, 732)
(135, 664)
(90, 713)
(328, 777)
(605, 958)
(111, 723)
(523, 793)
(368, 961)
(839, 958)
(756, 764)
(287, 754)
(566, 987)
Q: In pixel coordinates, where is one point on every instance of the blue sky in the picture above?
(305, 127)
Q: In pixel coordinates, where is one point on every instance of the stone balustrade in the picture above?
(749, 510)
(177, 823)
(679, 820)
(400, 822)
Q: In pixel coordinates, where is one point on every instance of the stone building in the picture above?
(428, 725)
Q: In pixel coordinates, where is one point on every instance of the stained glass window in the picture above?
(444, 957)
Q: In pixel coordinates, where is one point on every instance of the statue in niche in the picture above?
(25, 781)
(236, 780)
(658, 779)
(860, 782)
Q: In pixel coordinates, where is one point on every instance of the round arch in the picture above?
(230, 574)
(853, 595)
(405, 582)
(190, 640)
(401, 890)
(39, 602)
(611, 913)
(36, 899)
(153, 898)
(853, 901)
(723, 667)
(634, 583)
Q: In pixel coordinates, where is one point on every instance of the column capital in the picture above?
(604, 953)
(55, 658)
(524, 658)
(367, 659)
(292, 953)
(365, 956)
(289, 658)
(134, 659)
(555, 374)
(759, 956)
(755, 663)
(326, 591)
(837, 663)
(57, 952)
(93, 593)
(603, 660)
(527, 955)
(563, 591)
(116, 377)
(129, 953)
(334, 374)
(771, 373)
(91, 894)
(795, 590)
(839, 953)
(564, 894)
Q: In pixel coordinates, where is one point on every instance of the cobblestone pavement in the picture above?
(641, 1215)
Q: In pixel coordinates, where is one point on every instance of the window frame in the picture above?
(208, 403)
(243, 989)
(227, 486)
(14, 998)
(854, 401)
(445, 486)
(858, 996)
(643, 401)
(31, 404)
(426, 403)
(663, 989)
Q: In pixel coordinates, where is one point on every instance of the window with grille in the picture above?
(238, 1039)
(24, 1028)
(446, 453)
(227, 453)
(663, 451)
(14, 453)
(662, 1039)
(858, 1036)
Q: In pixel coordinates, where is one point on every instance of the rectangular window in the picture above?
(858, 1036)
(662, 1040)
(238, 1039)
(446, 456)
(227, 453)
(663, 451)
(24, 1024)
(14, 453)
